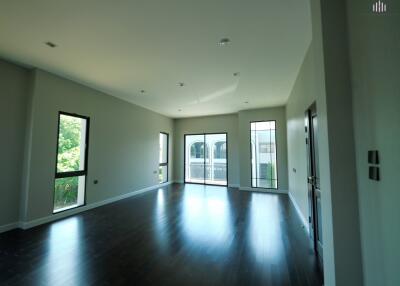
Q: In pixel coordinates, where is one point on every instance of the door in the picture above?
(313, 180)
(206, 160)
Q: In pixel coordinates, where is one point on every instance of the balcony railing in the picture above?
(216, 171)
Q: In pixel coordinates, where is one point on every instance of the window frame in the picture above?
(80, 173)
(276, 157)
(205, 144)
(167, 162)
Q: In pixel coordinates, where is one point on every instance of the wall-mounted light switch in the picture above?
(373, 157)
(374, 173)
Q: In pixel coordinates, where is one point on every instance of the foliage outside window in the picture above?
(71, 155)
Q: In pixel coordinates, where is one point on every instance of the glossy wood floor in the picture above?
(177, 235)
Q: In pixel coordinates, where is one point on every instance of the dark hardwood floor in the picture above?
(177, 235)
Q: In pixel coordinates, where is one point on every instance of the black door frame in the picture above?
(184, 158)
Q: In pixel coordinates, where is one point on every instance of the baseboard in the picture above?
(43, 220)
(300, 214)
(10, 226)
(261, 190)
(233, 185)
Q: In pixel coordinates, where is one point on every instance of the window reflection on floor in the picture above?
(206, 216)
(161, 222)
(265, 235)
(63, 260)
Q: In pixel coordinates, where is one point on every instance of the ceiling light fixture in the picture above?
(246, 102)
(179, 110)
(181, 84)
(224, 42)
(50, 44)
(142, 91)
(236, 73)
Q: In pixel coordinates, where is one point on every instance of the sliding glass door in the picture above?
(206, 159)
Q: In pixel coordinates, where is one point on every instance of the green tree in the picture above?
(69, 138)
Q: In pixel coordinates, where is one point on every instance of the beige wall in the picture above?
(238, 128)
(208, 124)
(14, 82)
(123, 143)
(375, 66)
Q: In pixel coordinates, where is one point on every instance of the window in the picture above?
(163, 160)
(263, 155)
(266, 148)
(71, 168)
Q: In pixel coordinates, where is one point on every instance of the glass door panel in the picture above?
(194, 158)
(216, 159)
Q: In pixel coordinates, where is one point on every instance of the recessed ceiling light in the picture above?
(246, 102)
(181, 84)
(224, 42)
(51, 44)
(179, 110)
(142, 91)
(236, 73)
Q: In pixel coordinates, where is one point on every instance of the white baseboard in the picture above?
(261, 190)
(10, 226)
(39, 221)
(229, 185)
(233, 185)
(296, 206)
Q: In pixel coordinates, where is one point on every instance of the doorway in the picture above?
(206, 159)
(313, 181)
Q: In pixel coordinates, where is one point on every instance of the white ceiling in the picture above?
(123, 46)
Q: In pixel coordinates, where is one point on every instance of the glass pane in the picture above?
(68, 193)
(163, 148)
(253, 158)
(263, 155)
(194, 156)
(71, 144)
(163, 174)
(216, 162)
(263, 125)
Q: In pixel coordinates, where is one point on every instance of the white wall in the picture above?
(375, 66)
(245, 117)
(238, 128)
(325, 76)
(123, 143)
(208, 124)
(301, 98)
(14, 82)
